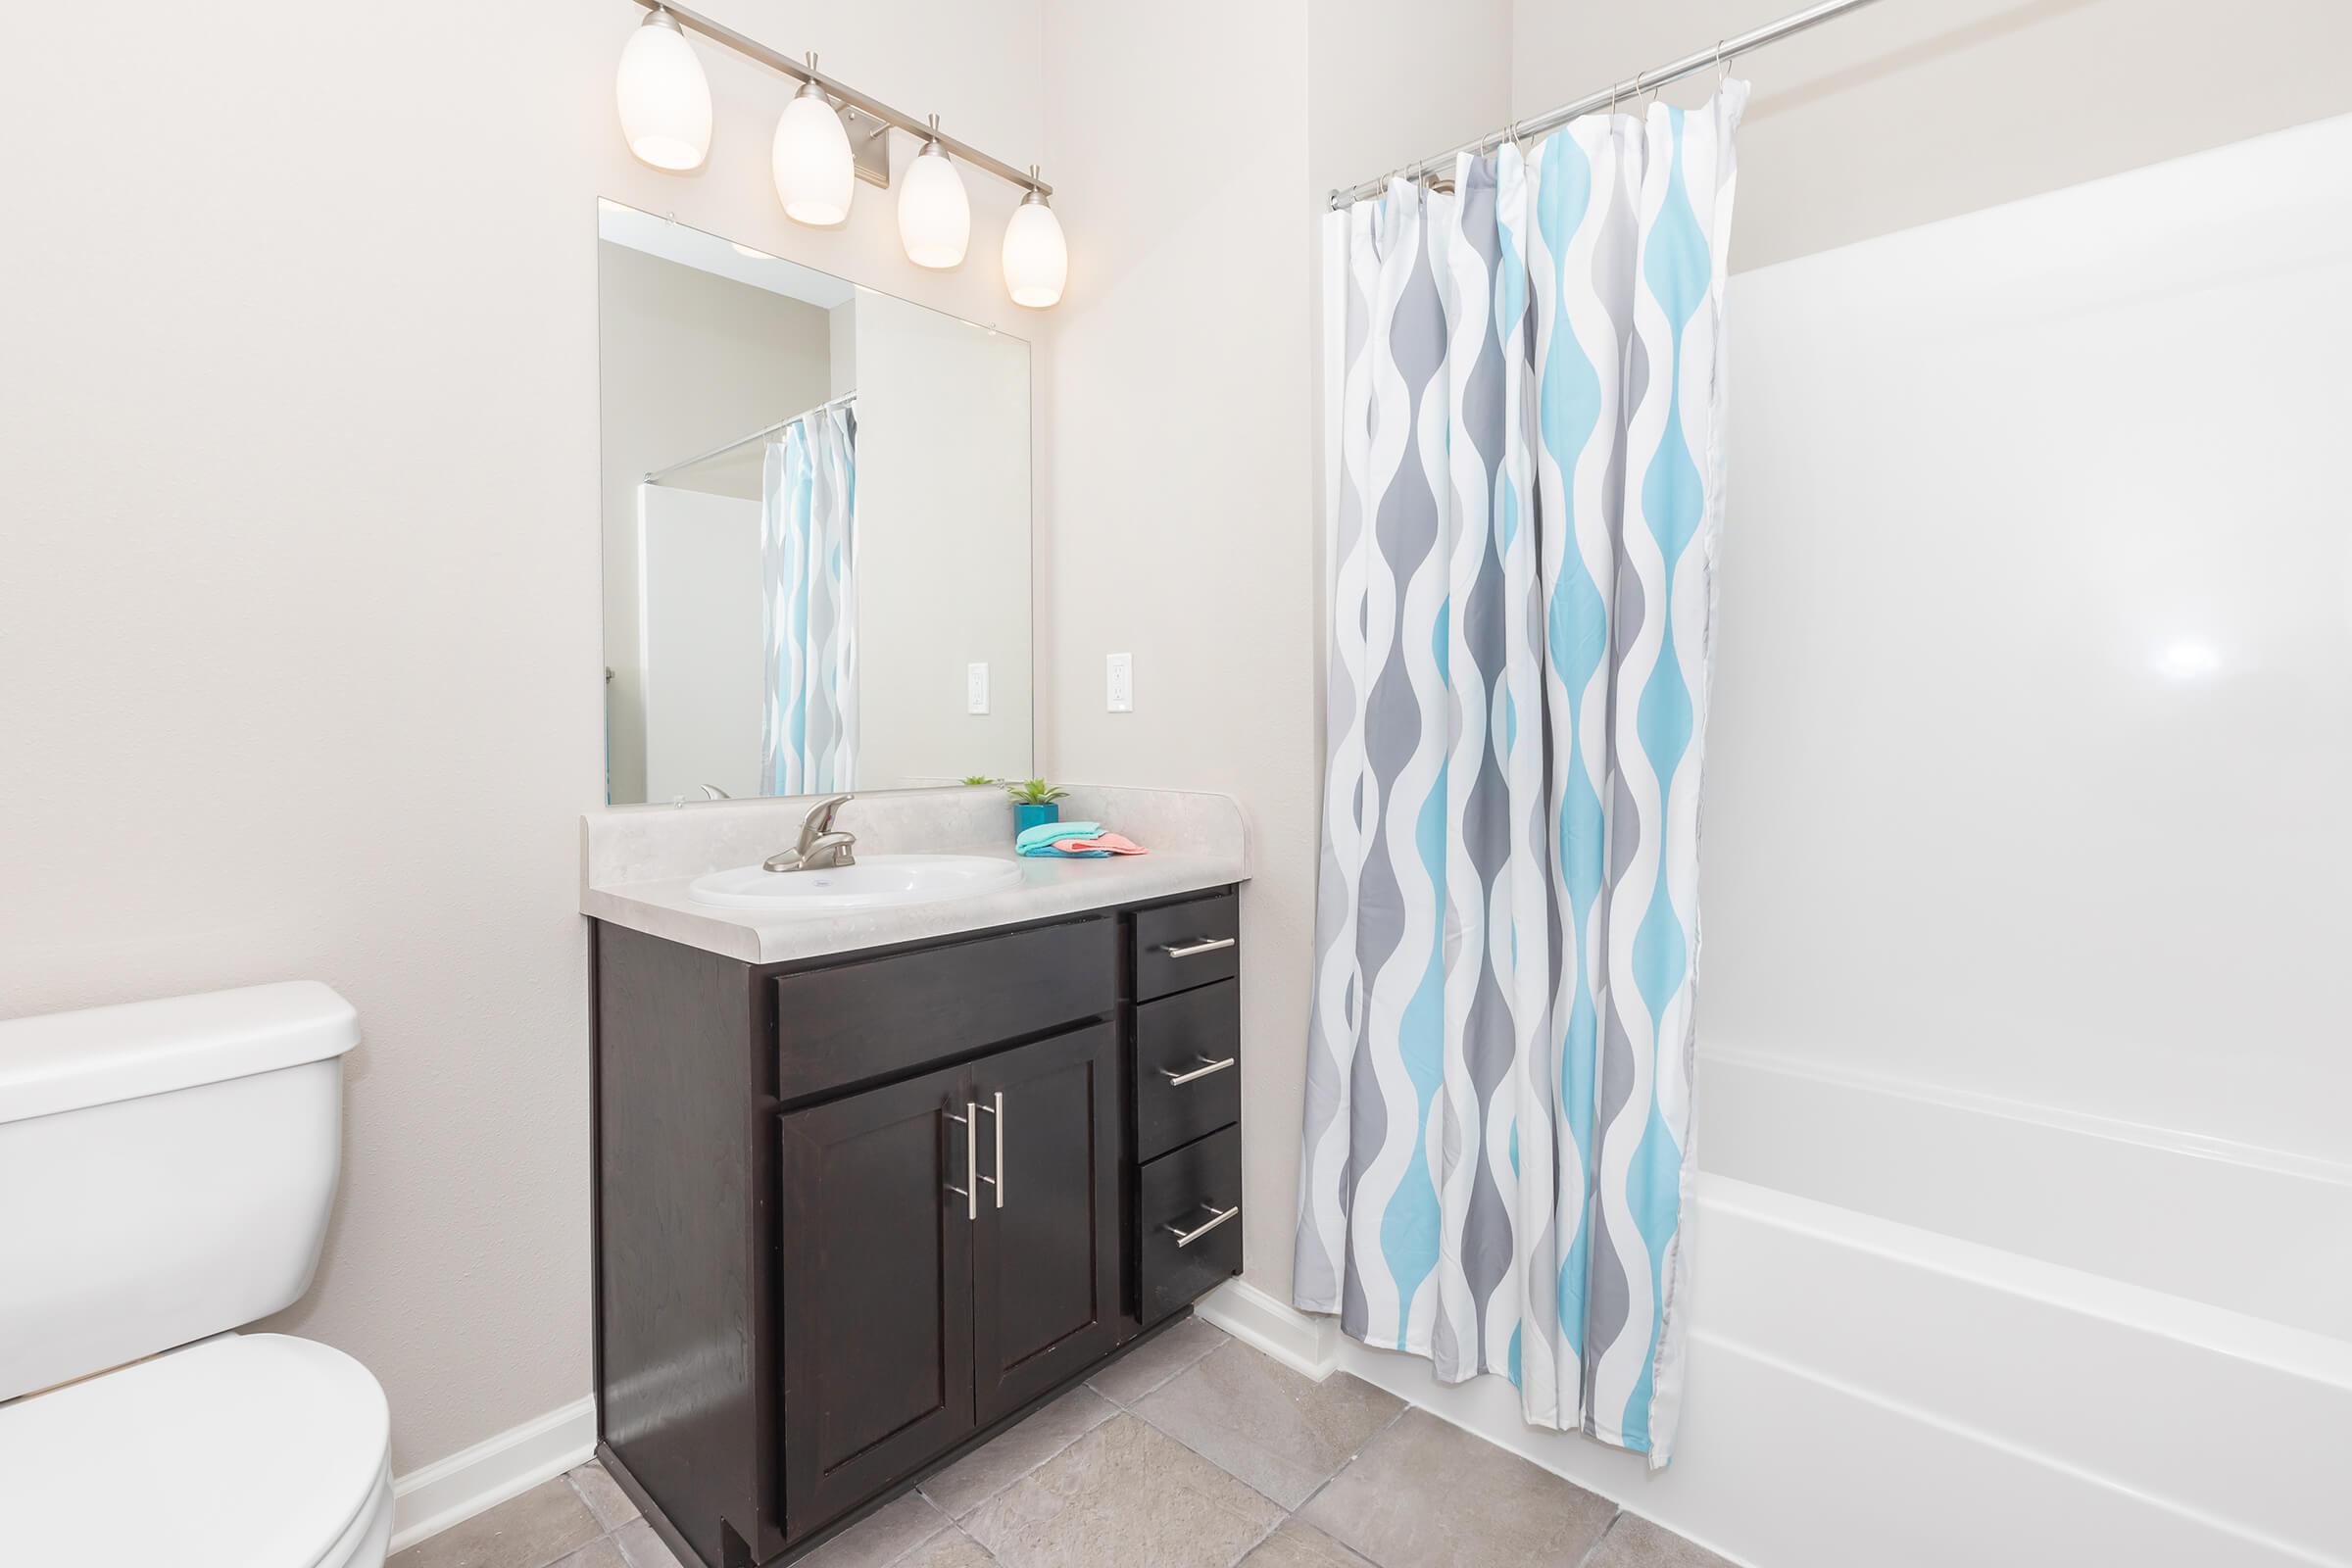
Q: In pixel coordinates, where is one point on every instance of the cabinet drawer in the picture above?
(1188, 1069)
(1184, 1247)
(1178, 946)
(860, 1021)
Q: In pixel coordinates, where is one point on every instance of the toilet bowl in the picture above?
(165, 1173)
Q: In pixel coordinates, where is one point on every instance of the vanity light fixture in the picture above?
(935, 215)
(830, 137)
(815, 168)
(1037, 260)
(664, 98)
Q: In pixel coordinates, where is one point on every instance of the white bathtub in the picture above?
(1883, 1326)
(1889, 1368)
(2255, 1231)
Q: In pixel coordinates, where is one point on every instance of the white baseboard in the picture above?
(449, 1491)
(1304, 1344)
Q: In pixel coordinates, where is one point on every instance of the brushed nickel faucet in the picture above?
(821, 848)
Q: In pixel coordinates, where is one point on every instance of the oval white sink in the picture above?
(874, 882)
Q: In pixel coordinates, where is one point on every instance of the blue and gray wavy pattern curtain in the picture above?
(808, 606)
(1526, 494)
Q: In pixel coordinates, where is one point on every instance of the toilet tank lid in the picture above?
(69, 1061)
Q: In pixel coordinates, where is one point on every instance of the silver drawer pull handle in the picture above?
(1207, 1067)
(1185, 949)
(997, 1180)
(969, 1191)
(1185, 1238)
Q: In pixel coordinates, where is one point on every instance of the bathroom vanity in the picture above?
(858, 1209)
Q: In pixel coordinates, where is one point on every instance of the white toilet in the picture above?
(166, 1173)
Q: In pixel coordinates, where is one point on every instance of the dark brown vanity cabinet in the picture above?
(853, 1213)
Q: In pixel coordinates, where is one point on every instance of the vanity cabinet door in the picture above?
(874, 1291)
(1045, 1251)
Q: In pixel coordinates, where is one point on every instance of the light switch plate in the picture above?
(975, 688)
(1118, 683)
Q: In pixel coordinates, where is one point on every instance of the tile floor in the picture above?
(1195, 1451)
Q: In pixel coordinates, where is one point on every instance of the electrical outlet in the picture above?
(975, 688)
(1118, 671)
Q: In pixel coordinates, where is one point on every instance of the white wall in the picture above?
(685, 360)
(943, 546)
(2033, 698)
(705, 684)
(1906, 111)
(311, 683)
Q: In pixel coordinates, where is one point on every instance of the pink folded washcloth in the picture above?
(1108, 843)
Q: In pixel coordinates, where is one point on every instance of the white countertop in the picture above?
(638, 862)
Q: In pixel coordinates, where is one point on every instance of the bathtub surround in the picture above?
(2044, 1211)
(1497, 1127)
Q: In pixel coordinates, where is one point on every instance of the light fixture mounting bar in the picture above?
(719, 32)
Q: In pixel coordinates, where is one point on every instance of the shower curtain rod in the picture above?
(1725, 50)
(655, 477)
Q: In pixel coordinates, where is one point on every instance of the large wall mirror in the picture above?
(815, 528)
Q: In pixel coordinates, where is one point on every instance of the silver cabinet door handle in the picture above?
(1207, 1067)
(1186, 950)
(969, 1191)
(1185, 1238)
(997, 1180)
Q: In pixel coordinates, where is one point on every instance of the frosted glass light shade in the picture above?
(935, 215)
(812, 161)
(1036, 263)
(663, 96)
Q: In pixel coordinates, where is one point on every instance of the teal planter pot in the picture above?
(1025, 817)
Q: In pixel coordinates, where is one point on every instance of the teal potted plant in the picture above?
(1034, 803)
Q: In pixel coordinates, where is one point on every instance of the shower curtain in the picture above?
(808, 606)
(1526, 492)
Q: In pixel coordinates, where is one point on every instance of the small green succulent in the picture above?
(978, 778)
(1034, 792)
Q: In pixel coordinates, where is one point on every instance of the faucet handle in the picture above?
(819, 820)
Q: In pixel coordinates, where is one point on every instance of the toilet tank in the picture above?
(166, 1171)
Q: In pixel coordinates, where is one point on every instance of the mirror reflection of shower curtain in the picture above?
(808, 606)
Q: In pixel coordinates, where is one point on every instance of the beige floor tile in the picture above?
(605, 1553)
(882, 1537)
(980, 1475)
(640, 1547)
(603, 1495)
(1638, 1544)
(1284, 1433)
(543, 1526)
(1298, 1545)
(1425, 1495)
(1139, 1372)
(950, 1549)
(1124, 1493)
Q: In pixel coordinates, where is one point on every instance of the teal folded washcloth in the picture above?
(1044, 838)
